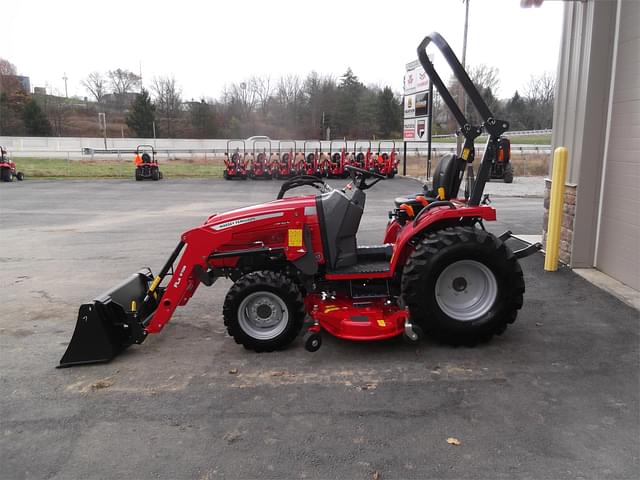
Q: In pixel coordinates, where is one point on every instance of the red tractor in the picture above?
(235, 167)
(260, 167)
(8, 169)
(338, 161)
(311, 163)
(361, 158)
(146, 163)
(286, 167)
(387, 160)
(437, 270)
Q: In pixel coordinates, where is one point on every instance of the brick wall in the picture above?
(568, 216)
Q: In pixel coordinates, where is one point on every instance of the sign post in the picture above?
(418, 106)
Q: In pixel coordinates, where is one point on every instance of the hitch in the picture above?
(530, 249)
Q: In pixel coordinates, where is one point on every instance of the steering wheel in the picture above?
(365, 173)
(361, 183)
(301, 181)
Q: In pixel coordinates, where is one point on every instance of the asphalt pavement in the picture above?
(556, 396)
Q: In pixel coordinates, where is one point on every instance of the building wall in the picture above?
(597, 118)
(618, 246)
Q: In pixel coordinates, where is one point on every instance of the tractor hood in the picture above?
(275, 211)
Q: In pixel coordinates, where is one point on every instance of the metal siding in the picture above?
(619, 243)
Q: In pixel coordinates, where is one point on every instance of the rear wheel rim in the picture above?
(263, 315)
(466, 290)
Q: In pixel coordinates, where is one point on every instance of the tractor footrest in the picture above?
(367, 266)
(384, 251)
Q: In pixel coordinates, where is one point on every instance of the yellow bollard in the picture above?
(556, 205)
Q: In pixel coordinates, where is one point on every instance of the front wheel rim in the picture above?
(466, 290)
(263, 315)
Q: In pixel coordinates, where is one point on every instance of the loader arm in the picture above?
(198, 243)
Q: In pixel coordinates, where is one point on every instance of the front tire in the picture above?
(264, 311)
(462, 285)
(20, 176)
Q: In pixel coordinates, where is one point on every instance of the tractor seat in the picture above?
(412, 202)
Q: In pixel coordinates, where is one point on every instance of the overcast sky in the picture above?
(207, 44)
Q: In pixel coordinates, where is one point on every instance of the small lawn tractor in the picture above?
(146, 163)
(362, 159)
(235, 167)
(502, 168)
(437, 270)
(387, 161)
(286, 167)
(311, 163)
(8, 169)
(324, 164)
(260, 167)
(338, 161)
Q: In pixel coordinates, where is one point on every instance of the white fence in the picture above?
(77, 148)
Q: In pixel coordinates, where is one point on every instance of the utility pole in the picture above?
(462, 100)
(66, 92)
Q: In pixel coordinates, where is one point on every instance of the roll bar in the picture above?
(286, 142)
(331, 143)
(356, 142)
(261, 143)
(143, 146)
(381, 142)
(494, 127)
(244, 145)
(304, 145)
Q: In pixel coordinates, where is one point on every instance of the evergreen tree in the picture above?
(203, 119)
(142, 115)
(35, 121)
(349, 91)
(516, 112)
(389, 113)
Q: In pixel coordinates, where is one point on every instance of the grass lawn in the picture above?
(61, 168)
(523, 139)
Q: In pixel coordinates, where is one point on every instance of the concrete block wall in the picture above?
(568, 218)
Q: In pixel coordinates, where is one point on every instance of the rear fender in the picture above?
(434, 220)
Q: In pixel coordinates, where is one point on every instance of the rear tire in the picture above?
(508, 173)
(155, 174)
(6, 175)
(264, 311)
(138, 175)
(462, 285)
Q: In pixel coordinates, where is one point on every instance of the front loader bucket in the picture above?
(111, 322)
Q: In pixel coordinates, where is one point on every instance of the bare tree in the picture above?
(485, 76)
(6, 67)
(539, 96)
(96, 84)
(123, 82)
(262, 90)
(541, 88)
(8, 81)
(168, 100)
(289, 90)
(57, 112)
(241, 97)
